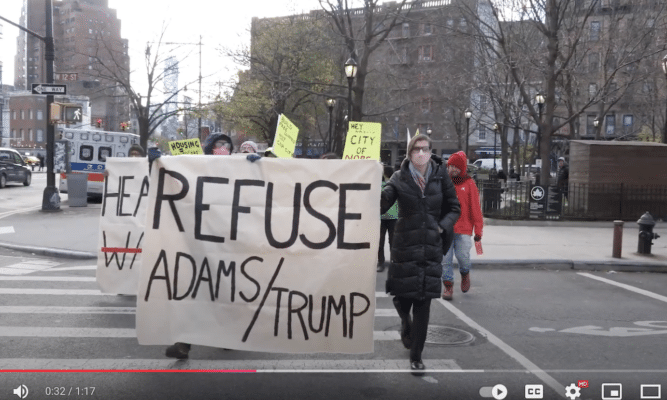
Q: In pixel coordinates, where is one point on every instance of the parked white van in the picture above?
(487, 163)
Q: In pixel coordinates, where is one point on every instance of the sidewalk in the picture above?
(73, 232)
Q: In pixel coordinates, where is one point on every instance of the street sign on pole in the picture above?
(48, 88)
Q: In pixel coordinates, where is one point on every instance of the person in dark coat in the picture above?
(427, 211)
(563, 176)
(41, 161)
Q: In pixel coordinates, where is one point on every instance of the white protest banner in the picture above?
(278, 255)
(122, 225)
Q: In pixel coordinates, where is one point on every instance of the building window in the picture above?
(628, 121)
(427, 29)
(14, 114)
(406, 30)
(482, 103)
(30, 138)
(40, 136)
(595, 31)
(425, 105)
(592, 90)
(610, 122)
(40, 115)
(482, 133)
(13, 133)
(593, 62)
(22, 114)
(421, 80)
(30, 115)
(590, 127)
(425, 53)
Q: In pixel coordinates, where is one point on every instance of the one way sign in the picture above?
(48, 88)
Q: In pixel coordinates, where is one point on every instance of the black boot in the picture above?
(178, 350)
(406, 324)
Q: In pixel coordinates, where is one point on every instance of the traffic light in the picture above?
(72, 113)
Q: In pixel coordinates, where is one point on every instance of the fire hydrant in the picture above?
(646, 235)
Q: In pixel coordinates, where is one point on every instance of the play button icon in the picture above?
(499, 392)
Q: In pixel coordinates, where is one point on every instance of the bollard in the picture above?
(618, 239)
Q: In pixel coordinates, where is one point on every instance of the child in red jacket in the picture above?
(471, 218)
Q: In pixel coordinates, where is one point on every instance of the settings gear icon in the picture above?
(572, 391)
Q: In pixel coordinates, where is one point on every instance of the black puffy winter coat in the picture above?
(416, 254)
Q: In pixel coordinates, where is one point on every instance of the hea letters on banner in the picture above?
(122, 225)
(273, 256)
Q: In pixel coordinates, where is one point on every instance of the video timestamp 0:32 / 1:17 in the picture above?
(69, 391)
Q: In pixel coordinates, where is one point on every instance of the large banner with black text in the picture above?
(278, 255)
(122, 225)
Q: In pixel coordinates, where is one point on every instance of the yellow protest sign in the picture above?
(187, 146)
(363, 141)
(285, 140)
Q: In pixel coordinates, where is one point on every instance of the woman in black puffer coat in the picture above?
(427, 211)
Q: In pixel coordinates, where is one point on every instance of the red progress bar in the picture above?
(119, 250)
(126, 370)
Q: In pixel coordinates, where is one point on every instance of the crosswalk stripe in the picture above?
(268, 366)
(81, 268)
(81, 292)
(379, 312)
(48, 278)
(31, 331)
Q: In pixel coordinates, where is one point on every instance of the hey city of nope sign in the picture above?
(363, 141)
(285, 139)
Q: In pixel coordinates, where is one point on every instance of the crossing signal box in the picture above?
(66, 113)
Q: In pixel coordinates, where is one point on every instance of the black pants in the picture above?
(421, 310)
(386, 226)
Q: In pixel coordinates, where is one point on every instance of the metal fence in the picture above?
(512, 200)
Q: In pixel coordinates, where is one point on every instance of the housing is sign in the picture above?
(277, 255)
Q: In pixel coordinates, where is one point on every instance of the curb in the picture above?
(578, 265)
(46, 251)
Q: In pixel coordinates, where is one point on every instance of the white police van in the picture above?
(88, 152)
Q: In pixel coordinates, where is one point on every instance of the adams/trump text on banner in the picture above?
(122, 225)
(275, 255)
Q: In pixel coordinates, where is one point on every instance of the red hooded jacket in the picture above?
(466, 191)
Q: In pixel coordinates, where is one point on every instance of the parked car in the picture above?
(13, 168)
(32, 161)
(487, 163)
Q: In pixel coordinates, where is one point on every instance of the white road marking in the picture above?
(521, 359)
(27, 267)
(82, 268)
(261, 366)
(55, 292)
(49, 331)
(48, 278)
(626, 287)
(6, 229)
(12, 212)
(391, 335)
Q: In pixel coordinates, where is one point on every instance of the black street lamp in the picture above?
(351, 73)
(468, 115)
(330, 105)
(428, 132)
(596, 124)
(539, 98)
(664, 70)
(495, 136)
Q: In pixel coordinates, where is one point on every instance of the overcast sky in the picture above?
(221, 23)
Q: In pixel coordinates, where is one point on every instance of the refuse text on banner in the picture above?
(277, 255)
(122, 225)
(285, 140)
(363, 141)
(186, 146)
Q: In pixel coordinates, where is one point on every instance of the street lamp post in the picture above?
(330, 105)
(664, 70)
(468, 115)
(539, 98)
(351, 73)
(596, 124)
(428, 132)
(495, 136)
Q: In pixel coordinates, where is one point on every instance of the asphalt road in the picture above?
(551, 328)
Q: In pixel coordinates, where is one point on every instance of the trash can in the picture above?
(77, 190)
(491, 194)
